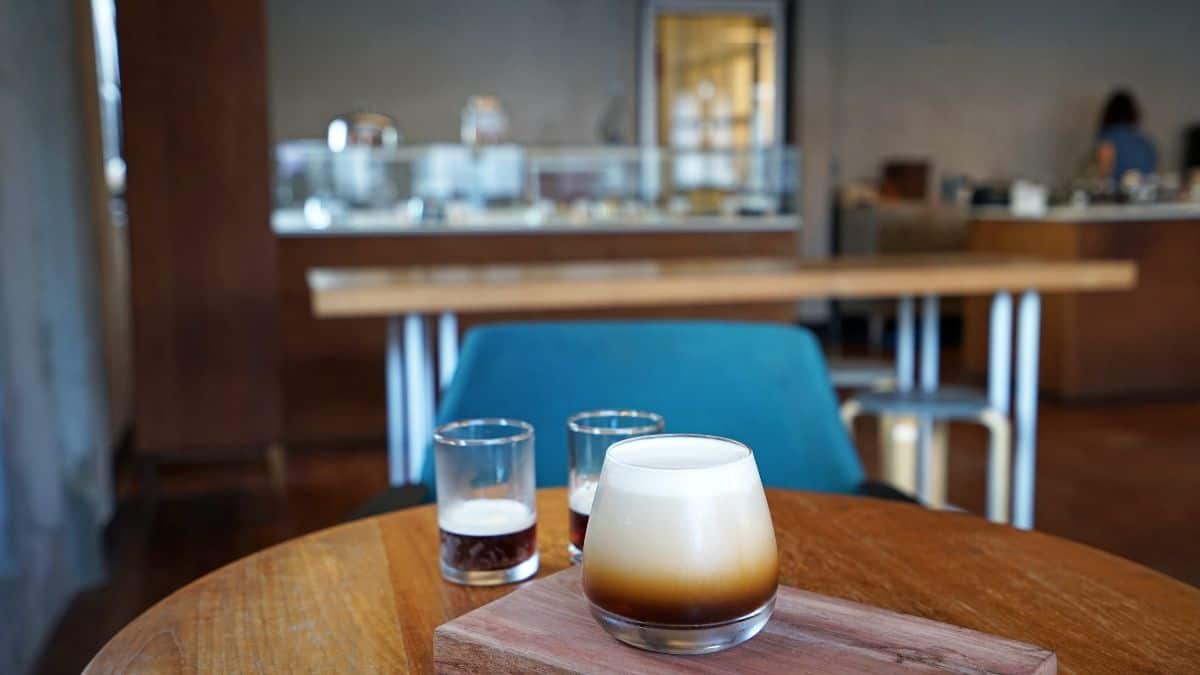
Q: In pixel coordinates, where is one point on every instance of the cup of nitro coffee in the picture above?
(681, 554)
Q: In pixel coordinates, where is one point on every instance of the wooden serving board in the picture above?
(546, 627)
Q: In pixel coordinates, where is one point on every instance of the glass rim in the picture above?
(710, 437)
(524, 432)
(574, 423)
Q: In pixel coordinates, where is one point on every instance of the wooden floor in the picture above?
(1124, 478)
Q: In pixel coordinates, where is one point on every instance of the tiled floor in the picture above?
(1123, 477)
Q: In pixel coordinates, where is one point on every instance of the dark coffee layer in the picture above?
(579, 523)
(679, 600)
(491, 552)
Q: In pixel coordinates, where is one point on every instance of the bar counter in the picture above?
(1107, 345)
(382, 223)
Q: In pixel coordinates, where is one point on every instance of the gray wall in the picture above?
(1008, 88)
(552, 62)
(991, 89)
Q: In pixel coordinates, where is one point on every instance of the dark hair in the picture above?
(1120, 109)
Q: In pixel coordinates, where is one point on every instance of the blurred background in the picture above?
(171, 170)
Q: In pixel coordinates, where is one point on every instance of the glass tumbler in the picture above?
(588, 436)
(486, 509)
(681, 555)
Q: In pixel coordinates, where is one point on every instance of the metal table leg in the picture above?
(398, 470)
(409, 377)
(999, 383)
(930, 344)
(447, 348)
(899, 461)
(1028, 326)
(905, 344)
(1000, 352)
(430, 390)
(418, 399)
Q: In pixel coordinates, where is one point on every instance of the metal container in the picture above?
(360, 142)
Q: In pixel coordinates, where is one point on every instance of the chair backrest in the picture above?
(765, 385)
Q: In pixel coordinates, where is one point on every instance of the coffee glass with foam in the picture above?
(681, 554)
(589, 435)
(486, 508)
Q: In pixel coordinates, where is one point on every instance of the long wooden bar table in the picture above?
(408, 296)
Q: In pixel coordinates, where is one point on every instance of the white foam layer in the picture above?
(681, 466)
(580, 499)
(678, 452)
(486, 517)
(676, 533)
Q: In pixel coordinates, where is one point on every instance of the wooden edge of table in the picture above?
(170, 618)
(591, 285)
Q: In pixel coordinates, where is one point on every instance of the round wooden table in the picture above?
(366, 596)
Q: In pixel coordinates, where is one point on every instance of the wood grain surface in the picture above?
(642, 283)
(547, 627)
(367, 596)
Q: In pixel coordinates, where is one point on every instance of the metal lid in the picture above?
(362, 128)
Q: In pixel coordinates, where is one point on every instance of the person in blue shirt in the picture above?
(1120, 145)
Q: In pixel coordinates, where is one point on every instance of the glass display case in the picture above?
(450, 187)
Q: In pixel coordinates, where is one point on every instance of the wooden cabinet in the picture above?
(1107, 345)
(194, 84)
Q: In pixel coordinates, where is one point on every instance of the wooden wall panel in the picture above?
(203, 267)
(1146, 341)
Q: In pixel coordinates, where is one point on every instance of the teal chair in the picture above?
(763, 384)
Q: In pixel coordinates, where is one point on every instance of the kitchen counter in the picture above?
(389, 223)
(1144, 342)
(1097, 213)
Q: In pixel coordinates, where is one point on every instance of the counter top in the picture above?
(508, 287)
(1100, 213)
(382, 223)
